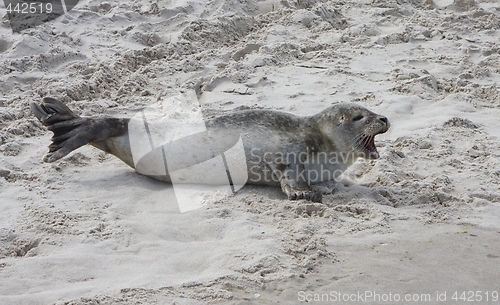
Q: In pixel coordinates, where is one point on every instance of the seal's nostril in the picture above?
(383, 119)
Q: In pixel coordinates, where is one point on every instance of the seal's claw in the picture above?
(316, 197)
(296, 194)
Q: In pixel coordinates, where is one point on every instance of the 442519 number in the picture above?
(30, 8)
(475, 296)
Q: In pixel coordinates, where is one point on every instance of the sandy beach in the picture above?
(420, 225)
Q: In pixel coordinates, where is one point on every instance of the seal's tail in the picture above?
(66, 126)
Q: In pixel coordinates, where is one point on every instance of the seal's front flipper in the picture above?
(295, 193)
(294, 183)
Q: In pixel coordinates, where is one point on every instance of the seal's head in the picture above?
(352, 129)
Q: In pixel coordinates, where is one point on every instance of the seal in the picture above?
(301, 154)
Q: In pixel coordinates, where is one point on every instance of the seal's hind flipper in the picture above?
(71, 131)
(67, 127)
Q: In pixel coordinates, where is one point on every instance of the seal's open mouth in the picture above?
(368, 145)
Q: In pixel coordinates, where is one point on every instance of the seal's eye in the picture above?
(357, 118)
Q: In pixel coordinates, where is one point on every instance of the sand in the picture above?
(422, 222)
